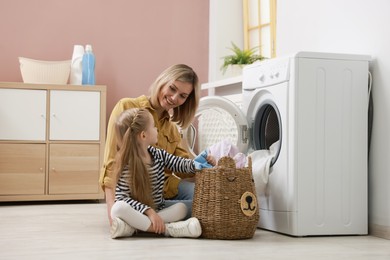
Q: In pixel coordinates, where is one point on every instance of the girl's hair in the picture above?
(129, 125)
(184, 114)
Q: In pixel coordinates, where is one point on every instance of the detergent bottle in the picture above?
(88, 66)
(76, 71)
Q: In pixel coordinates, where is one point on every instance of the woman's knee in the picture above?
(186, 190)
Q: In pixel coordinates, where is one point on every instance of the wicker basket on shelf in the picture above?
(225, 202)
(44, 72)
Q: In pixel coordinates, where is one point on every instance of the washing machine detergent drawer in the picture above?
(264, 74)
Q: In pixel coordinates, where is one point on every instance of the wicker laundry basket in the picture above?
(225, 202)
(44, 72)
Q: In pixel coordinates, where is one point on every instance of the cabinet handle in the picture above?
(54, 115)
(41, 169)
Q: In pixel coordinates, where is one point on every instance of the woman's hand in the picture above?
(158, 225)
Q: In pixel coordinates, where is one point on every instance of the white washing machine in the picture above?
(316, 106)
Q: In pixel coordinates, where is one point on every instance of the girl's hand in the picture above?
(211, 160)
(158, 225)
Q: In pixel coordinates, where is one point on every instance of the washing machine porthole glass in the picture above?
(210, 127)
(216, 119)
(267, 129)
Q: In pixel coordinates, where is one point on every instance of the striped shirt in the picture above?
(161, 159)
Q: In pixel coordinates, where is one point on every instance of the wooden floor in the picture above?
(79, 230)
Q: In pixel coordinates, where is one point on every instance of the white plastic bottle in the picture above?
(76, 71)
(88, 66)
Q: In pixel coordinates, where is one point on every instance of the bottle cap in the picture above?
(88, 47)
(78, 51)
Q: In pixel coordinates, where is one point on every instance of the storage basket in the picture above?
(225, 202)
(44, 72)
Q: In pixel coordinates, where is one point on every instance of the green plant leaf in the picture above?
(240, 57)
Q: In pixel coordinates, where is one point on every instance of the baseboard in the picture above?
(379, 231)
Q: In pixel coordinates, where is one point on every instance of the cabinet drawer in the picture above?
(73, 169)
(22, 169)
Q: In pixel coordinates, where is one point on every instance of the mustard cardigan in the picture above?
(168, 139)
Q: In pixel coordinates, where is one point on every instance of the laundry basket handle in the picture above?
(227, 162)
(250, 163)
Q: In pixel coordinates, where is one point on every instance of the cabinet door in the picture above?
(74, 115)
(23, 114)
(22, 169)
(74, 169)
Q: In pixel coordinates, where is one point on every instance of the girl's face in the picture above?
(151, 131)
(174, 94)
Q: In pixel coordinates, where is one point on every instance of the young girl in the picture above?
(139, 202)
(174, 98)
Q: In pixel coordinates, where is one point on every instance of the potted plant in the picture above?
(240, 57)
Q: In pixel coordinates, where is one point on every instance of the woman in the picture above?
(176, 90)
(139, 202)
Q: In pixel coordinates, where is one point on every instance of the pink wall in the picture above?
(133, 40)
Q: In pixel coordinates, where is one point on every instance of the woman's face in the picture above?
(174, 94)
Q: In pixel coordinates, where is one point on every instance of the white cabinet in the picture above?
(74, 115)
(23, 114)
(51, 141)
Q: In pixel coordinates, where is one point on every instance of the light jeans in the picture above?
(185, 195)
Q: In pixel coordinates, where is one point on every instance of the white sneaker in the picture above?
(119, 228)
(188, 228)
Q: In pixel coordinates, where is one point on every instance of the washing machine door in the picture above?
(266, 129)
(217, 119)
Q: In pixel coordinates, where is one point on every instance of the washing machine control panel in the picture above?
(266, 73)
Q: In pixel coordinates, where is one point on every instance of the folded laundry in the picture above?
(201, 161)
(226, 148)
(240, 160)
(223, 148)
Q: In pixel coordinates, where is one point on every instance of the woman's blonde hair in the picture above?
(184, 114)
(129, 125)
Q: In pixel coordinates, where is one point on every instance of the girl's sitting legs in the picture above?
(126, 220)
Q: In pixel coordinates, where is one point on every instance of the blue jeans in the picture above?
(185, 195)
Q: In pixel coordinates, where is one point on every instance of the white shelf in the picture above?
(229, 82)
(230, 88)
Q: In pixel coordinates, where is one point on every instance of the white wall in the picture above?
(226, 26)
(350, 26)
